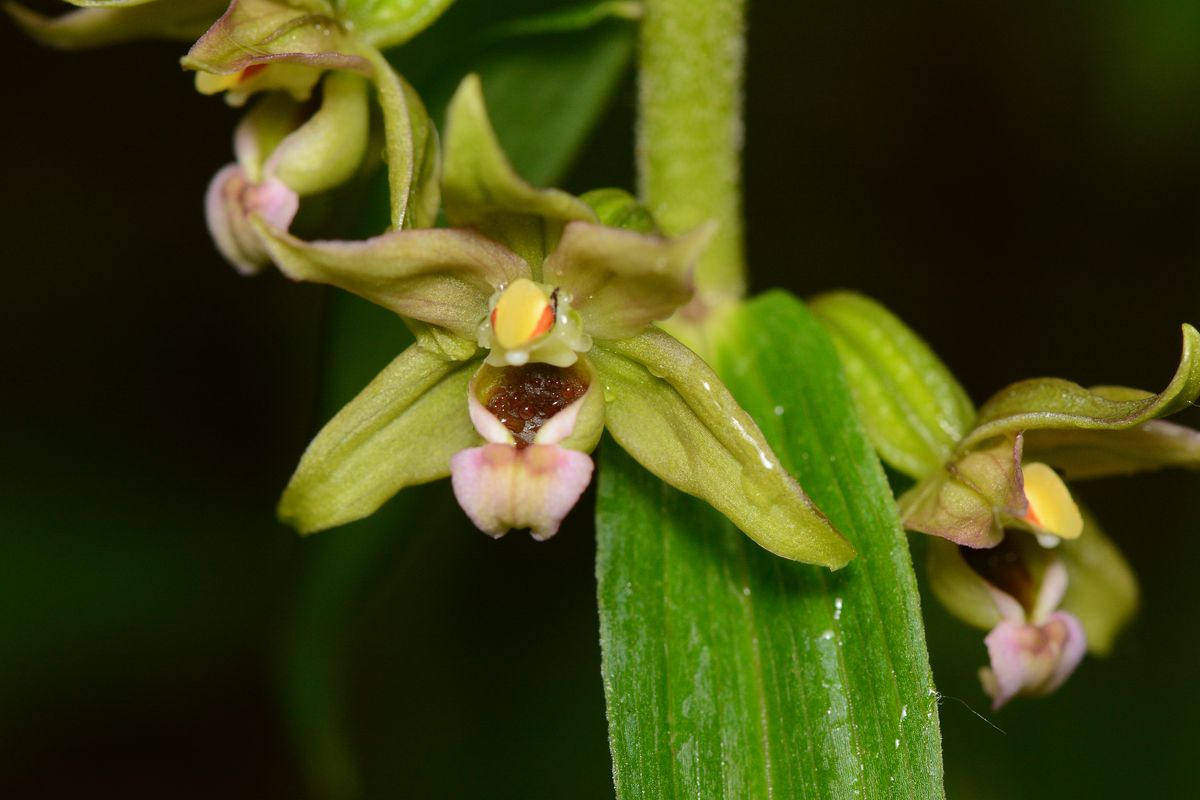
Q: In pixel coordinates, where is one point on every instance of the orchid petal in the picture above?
(100, 24)
(438, 276)
(576, 426)
(1054, 404)
(502, 487)
(229, 205)
(621, 281)
(1032, 660)
(401, 430)
(481, 189)
(671, 412)
(328, 148)
(1102, 590)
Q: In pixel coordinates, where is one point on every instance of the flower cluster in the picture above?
(534, 312)
(1013, 552)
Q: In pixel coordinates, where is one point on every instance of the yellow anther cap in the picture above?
(522, 313)
(1051, 507)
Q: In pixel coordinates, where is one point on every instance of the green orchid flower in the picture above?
(1015, 552)
(534, 318)
(283, 51)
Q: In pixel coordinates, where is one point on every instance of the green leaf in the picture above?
(564, 20)
(913, 409)
(400, 431)
(481, 189)
(116, 23)
(673, 414)
(1052, 403)
(730, 672)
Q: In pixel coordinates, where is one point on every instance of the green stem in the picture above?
(690, 130)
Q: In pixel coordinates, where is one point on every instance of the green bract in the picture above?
(518, 263)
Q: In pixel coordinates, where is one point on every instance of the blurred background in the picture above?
(1019, 183)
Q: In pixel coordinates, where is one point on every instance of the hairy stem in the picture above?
(690, 131)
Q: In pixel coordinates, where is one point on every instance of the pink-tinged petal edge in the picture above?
(501, 487)
(229, 203)
(1032, 660)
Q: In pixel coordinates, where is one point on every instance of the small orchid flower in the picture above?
(282, 156)
(990, 485)
(1044, 607)
(534, 319)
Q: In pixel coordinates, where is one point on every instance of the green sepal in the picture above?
(1055, 404)
(1079, 454)
(411, 148)
(102, 24)
(621, 281)
(329, 147)
(672, 413)
(617, 208)
(401, 430)
(269, 31)
(1102, 591)
(969, 501)
(387, 23)
(914, 410)
(482, 190)
(439, 276)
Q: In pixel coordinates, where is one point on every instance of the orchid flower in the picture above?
(283, 50)
(534, 318)
(1015, 552)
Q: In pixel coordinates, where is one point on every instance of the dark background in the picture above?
(1018, 182)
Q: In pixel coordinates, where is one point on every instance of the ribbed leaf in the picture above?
(730, 672)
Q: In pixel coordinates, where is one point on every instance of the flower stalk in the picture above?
(690, 72)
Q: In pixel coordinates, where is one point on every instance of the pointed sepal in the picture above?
(482, 190)
(437, 276)
(671, 412)
(1055, 404)
(621, 281)
(401, 430)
